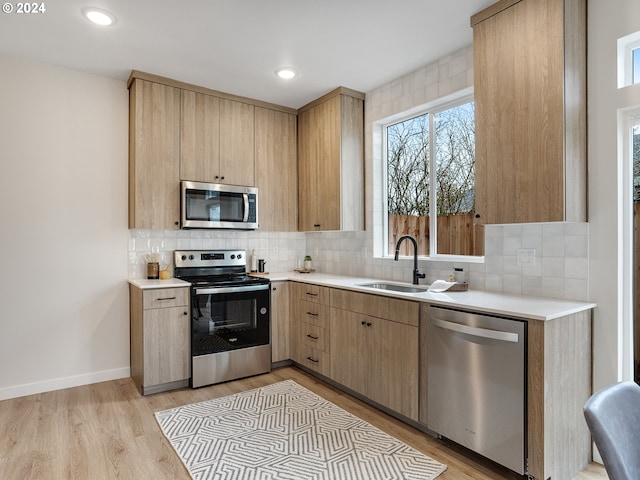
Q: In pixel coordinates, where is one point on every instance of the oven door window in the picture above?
(213, 206)
(223, 322)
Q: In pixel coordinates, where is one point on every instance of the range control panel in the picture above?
(209, 258)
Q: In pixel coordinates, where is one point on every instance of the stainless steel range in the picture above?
(230, 316)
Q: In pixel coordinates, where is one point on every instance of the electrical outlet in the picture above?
(526, 257)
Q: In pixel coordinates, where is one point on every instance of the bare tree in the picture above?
(408, 155)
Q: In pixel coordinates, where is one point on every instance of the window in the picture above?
(629, 60)
(430, 180)
(635, 61)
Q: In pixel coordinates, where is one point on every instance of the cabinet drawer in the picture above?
(315, 359)
(166, 297)
(312, 293)
(397, 310)
(312, 313)
(313, 336)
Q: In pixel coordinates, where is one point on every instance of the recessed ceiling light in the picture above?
(99, 16)
(286, 73)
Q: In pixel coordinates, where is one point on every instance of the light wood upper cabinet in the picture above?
(237, 149)
(217, 140)
(331, 162)
(530, 104)
(200, 137)
(276, 170)
(154, 156)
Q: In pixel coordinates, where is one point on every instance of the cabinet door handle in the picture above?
(312, 337)
(166, 298)
(185, 313)
(313, 360)
(312, 314)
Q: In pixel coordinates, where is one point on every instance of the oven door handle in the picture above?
(214, 290)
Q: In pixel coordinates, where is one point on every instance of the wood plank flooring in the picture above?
(107, 430)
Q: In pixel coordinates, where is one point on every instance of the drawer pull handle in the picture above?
(313, 360)
(312, 294)
(166, 298)
(312, 337)
(312, 314)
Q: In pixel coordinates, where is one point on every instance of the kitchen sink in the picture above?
(395, 287)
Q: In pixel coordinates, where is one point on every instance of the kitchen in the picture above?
(67, 132)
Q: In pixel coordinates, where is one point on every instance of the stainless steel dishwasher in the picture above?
(476, 386)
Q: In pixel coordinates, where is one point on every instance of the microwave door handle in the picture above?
(246, 207)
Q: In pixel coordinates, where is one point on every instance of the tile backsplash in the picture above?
(281, 250)
(560, 269)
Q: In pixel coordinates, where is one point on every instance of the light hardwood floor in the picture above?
(108, 430)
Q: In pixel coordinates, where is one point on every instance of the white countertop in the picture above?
(531, 308)
(145, 284)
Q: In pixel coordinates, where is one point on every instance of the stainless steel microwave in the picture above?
(217, 205)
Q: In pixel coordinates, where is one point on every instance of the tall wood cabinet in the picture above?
(154, 155)
(276, 169)
(530, 104)
(331, 162)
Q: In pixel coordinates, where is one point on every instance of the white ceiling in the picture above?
(235, 46)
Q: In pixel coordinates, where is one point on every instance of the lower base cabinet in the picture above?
(160, 338)
(310, 345)
(280, 321)
(374, 356)
(367, 343)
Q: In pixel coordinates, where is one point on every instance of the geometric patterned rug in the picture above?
(285, 432)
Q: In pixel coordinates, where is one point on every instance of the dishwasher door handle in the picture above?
(475, 331)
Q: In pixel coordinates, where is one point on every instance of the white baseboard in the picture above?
(65, 382)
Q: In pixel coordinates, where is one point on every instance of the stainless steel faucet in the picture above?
(416, 273)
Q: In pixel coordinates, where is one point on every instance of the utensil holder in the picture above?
(153, 270)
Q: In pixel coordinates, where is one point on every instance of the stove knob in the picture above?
(239, 256)
(191, 257)
(184, 257)
(233, 257)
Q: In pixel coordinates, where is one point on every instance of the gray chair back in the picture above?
(613, 417)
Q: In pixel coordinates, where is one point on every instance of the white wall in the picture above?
(63, 207)
(607, 21)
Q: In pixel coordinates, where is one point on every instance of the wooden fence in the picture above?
(457, 234)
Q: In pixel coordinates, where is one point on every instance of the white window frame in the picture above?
(459, 98)
(626, 46)
(627, 120)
